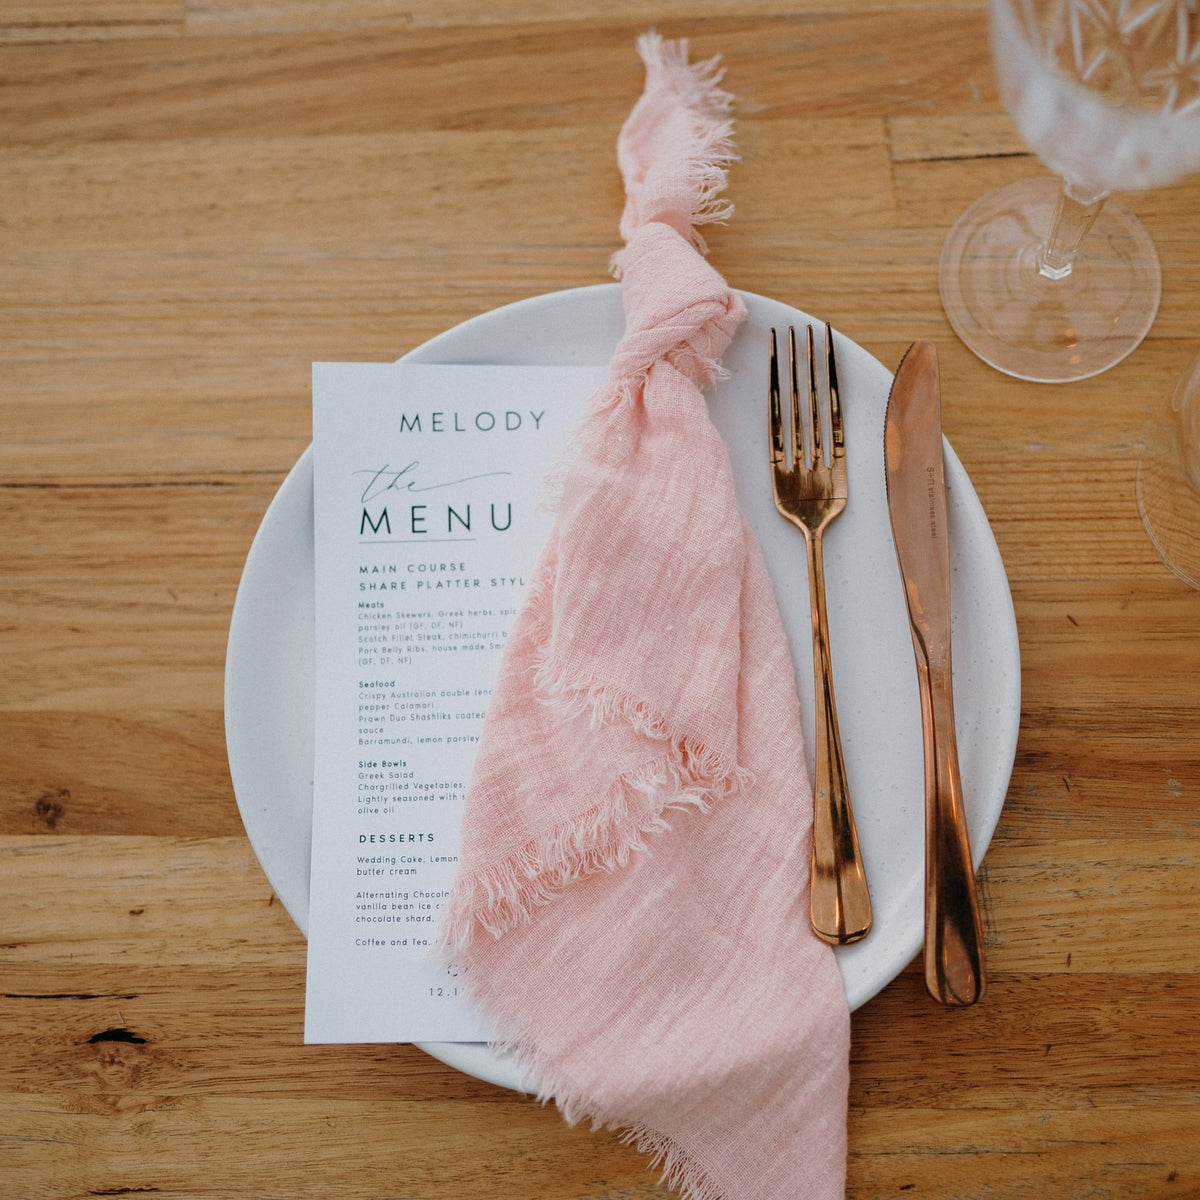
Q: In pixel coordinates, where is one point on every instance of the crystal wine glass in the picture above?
(1051, 279)
(1168, 479)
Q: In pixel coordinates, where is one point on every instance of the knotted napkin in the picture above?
(631, 902)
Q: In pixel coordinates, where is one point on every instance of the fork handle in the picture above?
(839, 901)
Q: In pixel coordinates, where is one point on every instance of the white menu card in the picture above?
(429, 514)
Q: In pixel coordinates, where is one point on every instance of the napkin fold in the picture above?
(631, 898)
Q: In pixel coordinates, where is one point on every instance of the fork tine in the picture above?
(835, 401)
(798, 437)
(775, 408)
(816, 455)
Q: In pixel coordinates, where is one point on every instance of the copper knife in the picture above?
(954, 955)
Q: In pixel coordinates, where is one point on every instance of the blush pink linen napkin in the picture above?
(631, 903)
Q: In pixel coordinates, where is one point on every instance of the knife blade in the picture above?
(954, 955)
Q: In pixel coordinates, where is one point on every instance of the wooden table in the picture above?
(198, 198)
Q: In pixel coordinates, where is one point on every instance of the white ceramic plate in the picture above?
(269, 668)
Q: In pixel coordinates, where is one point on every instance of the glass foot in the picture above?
(1047, 330)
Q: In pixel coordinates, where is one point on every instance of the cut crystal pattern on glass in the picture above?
(1115, 49)
(1106, 92)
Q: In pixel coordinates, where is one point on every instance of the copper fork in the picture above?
(811, 492)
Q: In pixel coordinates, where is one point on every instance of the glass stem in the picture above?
(1076, 213)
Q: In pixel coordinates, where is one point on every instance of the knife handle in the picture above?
(839, 900)
(954, 955)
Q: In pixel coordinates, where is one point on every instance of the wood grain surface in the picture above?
(198, 198)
